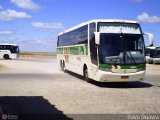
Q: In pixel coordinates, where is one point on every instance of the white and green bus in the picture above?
(9, 51)
(104, 50)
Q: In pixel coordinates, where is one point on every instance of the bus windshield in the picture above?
(14, 49)
(121, 49)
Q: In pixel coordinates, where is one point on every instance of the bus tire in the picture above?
(85, 74)
(6, 56)
(64, 67)
(61, 65)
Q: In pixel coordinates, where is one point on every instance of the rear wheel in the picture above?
(63, 67)
(6, 56)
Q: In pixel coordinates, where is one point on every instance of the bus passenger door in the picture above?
(94, 60)
(93, 50)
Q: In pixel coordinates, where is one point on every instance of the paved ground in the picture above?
(37, 86)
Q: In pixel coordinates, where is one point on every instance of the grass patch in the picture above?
(38, 54)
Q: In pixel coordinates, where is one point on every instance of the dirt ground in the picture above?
(36, 85)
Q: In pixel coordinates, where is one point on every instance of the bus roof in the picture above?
(8, 44)
(96, 21)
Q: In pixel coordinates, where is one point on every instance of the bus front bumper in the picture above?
(14, 56)
(118, 77)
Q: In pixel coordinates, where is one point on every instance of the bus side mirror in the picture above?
(97, 38)
(150, 36)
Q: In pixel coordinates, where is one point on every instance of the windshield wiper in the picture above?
(129, 53)
(123, 45)
(132, 58)
(118, 57)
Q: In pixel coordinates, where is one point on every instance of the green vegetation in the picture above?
(38, 54)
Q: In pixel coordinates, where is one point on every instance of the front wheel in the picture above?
(6, 56)
(86, 75)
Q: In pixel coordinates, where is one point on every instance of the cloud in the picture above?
(8, 15)
(144, 17)
(136, 0)
(44, 45)
(26, 4)
(43, 25)
(38, 42)
(1, 7)
(6, 32)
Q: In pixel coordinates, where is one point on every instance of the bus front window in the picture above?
(121, 49)
(14, 49)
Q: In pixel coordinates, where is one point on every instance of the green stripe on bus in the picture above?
(105, 66)
(141, 66)
(133, 66)
(77, 50)
(123, 66)
(59, 50)
(74, 50)
(128, 67)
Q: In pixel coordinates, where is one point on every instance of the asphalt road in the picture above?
(38, 86)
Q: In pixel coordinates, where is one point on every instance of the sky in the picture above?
(35, 24)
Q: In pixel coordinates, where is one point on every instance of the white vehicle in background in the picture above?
(9, 51)
(149, 54)
(153, 55)
(104, 50)
(156, 56)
